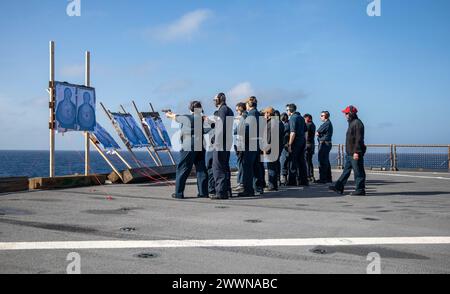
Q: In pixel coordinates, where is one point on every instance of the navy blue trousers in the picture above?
(310, 149)
(211, 182)
(259, 173)
(222, 173)
(324, 162)
(187, 160)
(240, 164)
(248, 162)
(297, 168)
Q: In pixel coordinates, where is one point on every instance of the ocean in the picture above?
(36, 163)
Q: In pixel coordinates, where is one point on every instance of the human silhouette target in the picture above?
(75, 108)
(86, 114)
(66, 110)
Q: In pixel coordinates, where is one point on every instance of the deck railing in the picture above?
(395, 157)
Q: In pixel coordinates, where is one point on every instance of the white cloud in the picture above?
(275, 97)
(25, 116)
(73, 71)
(278, 95)
(183, 28)
(144, 68)
(41, 101)
(240, 92)
(173, 87)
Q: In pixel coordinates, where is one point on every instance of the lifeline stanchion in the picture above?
(87, 138)
(52, 108)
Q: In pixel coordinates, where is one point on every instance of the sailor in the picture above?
(254, 137)
(221, 153)
(284, 159)
(355, 151)
(274, 129)
(192, 151)
(325, 137)
(310, 145)
(296, 148)
(239, 139)
(210, 134)
(277, 114)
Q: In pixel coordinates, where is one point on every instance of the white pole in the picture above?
(52, 109)
(87, 83)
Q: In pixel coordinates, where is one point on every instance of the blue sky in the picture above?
(319, 54)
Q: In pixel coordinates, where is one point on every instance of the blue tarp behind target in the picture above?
(75, 107)
(131, 130)
(158, 131)
(105, 138)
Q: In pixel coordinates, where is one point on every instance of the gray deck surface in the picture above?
(409, 205)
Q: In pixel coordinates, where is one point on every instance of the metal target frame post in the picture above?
(52, 111)
(52, 114)
(53, 181)
(149, 136)
(96, 143)
(157, 159)
(141, 173)
(167, 147)
(102, 153)
(121, 136)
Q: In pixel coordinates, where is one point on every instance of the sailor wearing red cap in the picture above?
(355, 151)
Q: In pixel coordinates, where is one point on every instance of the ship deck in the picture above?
(405, 219)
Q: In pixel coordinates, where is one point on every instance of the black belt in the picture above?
(326, 142)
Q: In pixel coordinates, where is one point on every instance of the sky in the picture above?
(319, 54)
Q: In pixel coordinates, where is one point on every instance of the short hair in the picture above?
(252, 101)
(292, 107)
(276, 113)
(284, 117)
(221, 97)
(195, 105)
(269, 110)
(308, 116)
(327, 114)
(241, 105)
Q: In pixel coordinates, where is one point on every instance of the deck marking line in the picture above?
(410, 176)
(223, 243)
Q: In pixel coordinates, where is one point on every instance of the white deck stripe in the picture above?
(409, 176)
(224, 243)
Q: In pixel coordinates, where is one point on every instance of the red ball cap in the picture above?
(350, 109)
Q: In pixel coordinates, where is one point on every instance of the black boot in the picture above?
(245, 194)
(339, 191)
(175, 196)
(359, 193)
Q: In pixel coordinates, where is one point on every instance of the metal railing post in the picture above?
(392, 157)
(395, 158)
(449, 158)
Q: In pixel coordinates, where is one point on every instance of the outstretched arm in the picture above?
(171, 115)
